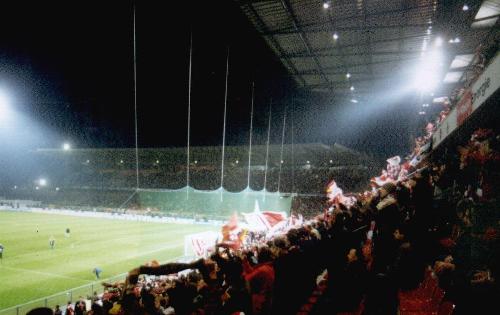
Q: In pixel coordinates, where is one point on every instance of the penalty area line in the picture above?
(43, 273)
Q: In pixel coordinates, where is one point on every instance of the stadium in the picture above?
(270, 157)
(90, 178)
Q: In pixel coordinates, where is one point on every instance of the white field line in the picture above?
(65, 291)
(42, 273)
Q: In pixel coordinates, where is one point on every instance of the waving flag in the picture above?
(333, 192)
(265, 220)
(382, 179)
(404, 171)
(395, 160)
(393, 167)
(230, 228)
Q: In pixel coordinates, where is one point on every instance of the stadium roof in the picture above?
(374, 39)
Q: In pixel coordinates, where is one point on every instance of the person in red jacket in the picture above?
(261, 279)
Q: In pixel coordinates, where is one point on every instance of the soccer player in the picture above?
(1, 251)
(97, 271)
(66, 234)
(52, 242)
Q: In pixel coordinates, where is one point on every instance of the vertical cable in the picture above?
(250, 140)
(224, 128)
(267, 146)
(189, 114)
(135, 109)
(293, 155)
(281, 153)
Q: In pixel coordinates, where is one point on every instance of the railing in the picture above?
(71, 295)
(61, 298)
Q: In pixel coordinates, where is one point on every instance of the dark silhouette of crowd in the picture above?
(425, 245)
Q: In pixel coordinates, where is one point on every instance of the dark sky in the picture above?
(69, 67)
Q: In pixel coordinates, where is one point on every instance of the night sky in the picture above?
(68, 69)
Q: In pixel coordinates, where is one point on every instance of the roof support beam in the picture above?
(338, 21)
(293, 18)
(327, 51)
(273, 41)
(321, 29)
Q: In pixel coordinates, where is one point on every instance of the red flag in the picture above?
(273, 217)
(229, 227)
(382, 179)
(333, 192)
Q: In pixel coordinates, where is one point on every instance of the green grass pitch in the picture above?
(30, 269)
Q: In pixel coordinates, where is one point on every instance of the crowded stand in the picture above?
(423, 240)
(417, 236)
(102, 179)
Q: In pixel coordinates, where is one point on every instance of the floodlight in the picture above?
(438, 42)
(66, 146)
(427, 75)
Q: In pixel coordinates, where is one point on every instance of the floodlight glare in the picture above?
(465, 7)
(326, 5)
(4, 106)
(66, 146)
(42, 182)
(352, 88)
(348, 75)
(427, 74)
(438, 42)
(335, 36)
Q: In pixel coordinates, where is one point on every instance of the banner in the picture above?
(487, 84)
(200, 244)
(464, 107)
